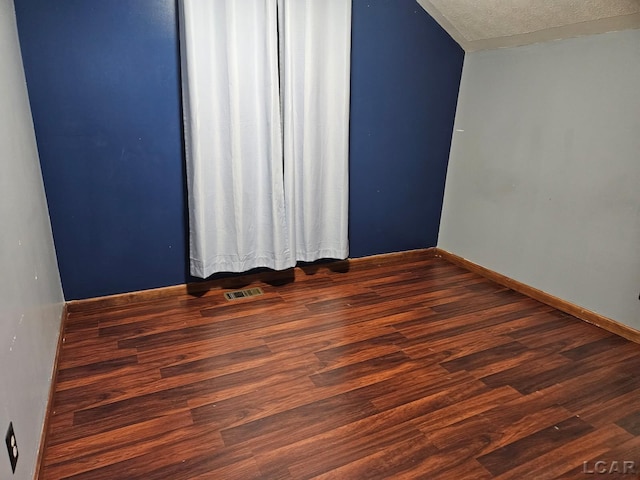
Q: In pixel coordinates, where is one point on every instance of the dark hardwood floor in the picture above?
(411, 368)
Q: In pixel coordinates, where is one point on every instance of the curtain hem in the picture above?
(197, 269)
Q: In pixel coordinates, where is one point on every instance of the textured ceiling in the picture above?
(481, 24)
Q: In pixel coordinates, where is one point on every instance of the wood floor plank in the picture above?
(621, 461)
(116, 439)
(443, 326)
(253, 405)
(527, 382)
(503, 428)
(532, 446)
(446, 416)
(300, 422)
(197, 452)
(355, 371)
(346, 353)
(595, 388)
(563, 461)
(216, 362)
(458, 346)
(631, 423)
(96, 369)
(391, 368)
(611, 410)
(400, 458)
(333, 328)
(485, 357)
(143, 445)
(88, 351)
(600, 345)
(566, 334)
(329, 450)
(197, 349)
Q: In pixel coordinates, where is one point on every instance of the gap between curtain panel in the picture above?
(266, 119)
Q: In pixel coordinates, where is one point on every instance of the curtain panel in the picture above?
(266, 118)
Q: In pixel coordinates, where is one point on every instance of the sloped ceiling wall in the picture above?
(486, 24)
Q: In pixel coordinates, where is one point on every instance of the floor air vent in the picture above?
(248, 292)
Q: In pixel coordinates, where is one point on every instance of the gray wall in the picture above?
(544, 173)
(30, 292)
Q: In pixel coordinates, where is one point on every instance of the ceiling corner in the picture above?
(444, 23)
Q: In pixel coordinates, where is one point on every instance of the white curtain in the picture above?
(233, 136)
(315, 41)
(266, 131)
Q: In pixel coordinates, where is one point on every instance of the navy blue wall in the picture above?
(103, 81)
(405, 78)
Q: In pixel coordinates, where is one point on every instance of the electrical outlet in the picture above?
(12, 447)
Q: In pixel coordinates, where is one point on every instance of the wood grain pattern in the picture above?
(544, 297)
(232, 281)
(400, 367)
